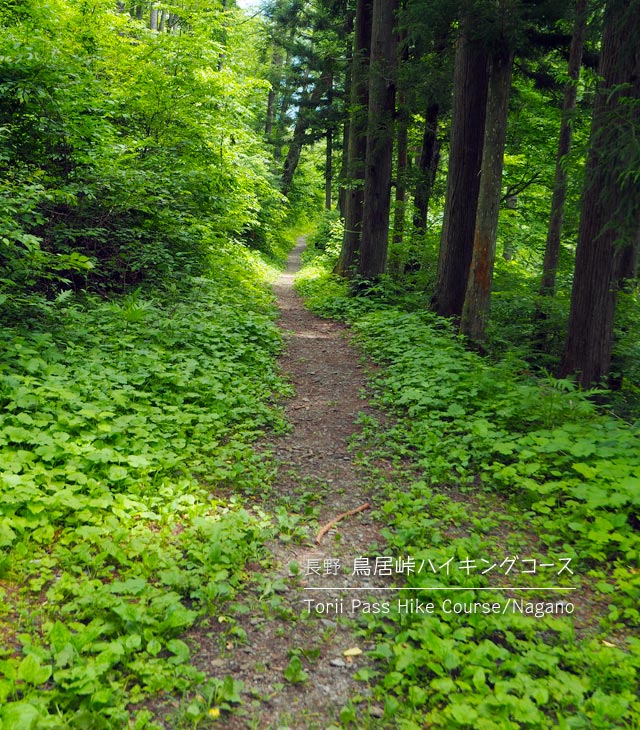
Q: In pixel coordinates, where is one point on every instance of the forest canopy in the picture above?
(465, 174)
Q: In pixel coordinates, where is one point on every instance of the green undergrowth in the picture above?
(517, 477)
(125, 441)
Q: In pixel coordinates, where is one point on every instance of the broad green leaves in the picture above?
(120, 426)
(569, 479)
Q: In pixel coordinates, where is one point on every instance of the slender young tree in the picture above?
(463, 178)
(427, 166)
(610, 212)
(357, 140)
(554, 231)
(372, 257)
(308, 103)
(402, 149)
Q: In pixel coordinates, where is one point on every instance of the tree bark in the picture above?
(470, 81)
(372, 257)
(554, 232)
(475, 311)
(357, 140)
(610, 212)
(427, 166)
(153, 18)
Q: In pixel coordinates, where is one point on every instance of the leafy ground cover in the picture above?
(124, 424)
(503, 467)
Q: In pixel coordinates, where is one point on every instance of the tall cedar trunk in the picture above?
(357, 144)
(328, 165)
(380, 127)
(554, 232)
(610, 213)
(427, 165)
(308, 103)
(470, 81)
(475, 311)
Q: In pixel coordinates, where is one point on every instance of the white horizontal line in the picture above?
(446, 588)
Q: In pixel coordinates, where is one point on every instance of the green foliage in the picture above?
(125, 154)
(568, 473)
(294, 672)
(326, 239)
(123, 425)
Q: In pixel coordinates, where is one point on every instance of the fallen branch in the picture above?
(323, 530)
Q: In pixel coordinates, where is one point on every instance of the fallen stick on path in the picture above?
(323, 530)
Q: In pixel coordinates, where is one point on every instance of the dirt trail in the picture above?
(316, 474)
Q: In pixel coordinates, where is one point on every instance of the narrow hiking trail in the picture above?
(317, 480)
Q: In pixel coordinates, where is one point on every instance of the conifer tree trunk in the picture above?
(470, 81)
(554, 232)
(357, 140)
(477, 301)
(610, 212)
(372, 257)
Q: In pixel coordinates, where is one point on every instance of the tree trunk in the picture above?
(328, 165)
(357, 141)
(401, 173)
(610, 213)
(554, 232)
(342, 195)
(470, 81)
(285, 102)
(402, 161)
(477, 301)
(380, 127)
(344, 161)
(427, 166)
(153, 18)
(309, 101)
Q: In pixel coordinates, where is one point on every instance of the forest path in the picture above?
(317, 480)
